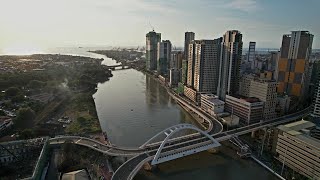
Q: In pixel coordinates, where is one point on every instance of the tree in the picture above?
(2, 113)
(35, 84)
(12, 91)
(27, 134)
(25, 117)
(18, 98)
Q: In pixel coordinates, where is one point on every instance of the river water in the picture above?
(132, 107)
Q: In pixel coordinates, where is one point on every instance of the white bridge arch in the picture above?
(169, 132)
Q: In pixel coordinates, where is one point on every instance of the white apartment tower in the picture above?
(206, 70)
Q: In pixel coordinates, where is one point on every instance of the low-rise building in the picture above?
(31, 154)
(191, 94)
(211, 104)
(283, 105)
(265, 89)
(6, 124)
(249, 110)
(230, 120)
(162, 79)
(76, 175)
(298, 149)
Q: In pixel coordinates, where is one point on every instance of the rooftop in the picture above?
(247, 99)
(212, 98)
(76, 175)
(301, 130)
(4, 119)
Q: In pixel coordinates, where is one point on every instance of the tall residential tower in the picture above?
(163, 57)
(230, 60)
(293, 65)
(203, 67)
(152, 39)
(206, 70)
(188, 37)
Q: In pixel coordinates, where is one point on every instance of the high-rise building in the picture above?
(230, 60)
(206, 66)
(191, 63)
(203, 67)
(174, 77)
(163, 57)
(152, 39)
(272, 61)
(176, 59)
(293, 65)
(188, 38)
(264, 90)
(251, 56)
(316, 100)
(184, 71)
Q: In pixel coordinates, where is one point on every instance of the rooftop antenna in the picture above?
(151, 26)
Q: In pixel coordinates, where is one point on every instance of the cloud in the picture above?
(243, 5)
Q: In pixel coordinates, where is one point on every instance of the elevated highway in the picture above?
(170, 149)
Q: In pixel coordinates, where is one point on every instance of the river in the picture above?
(132, 107)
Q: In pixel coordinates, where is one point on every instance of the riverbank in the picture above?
(117, 55)
(200, 122)
(51, 94)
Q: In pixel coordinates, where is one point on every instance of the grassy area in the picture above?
(48, 110)
(82, 111)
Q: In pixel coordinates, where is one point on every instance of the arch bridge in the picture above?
(179, 148)
(167, 151)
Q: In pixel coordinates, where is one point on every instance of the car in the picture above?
(94, 145)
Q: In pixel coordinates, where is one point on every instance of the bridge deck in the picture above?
(173, 147)
(131, 167)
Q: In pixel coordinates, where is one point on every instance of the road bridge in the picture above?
(192, 142)
(170, 149)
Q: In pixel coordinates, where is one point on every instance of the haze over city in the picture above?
(35, 24)
(151, 89)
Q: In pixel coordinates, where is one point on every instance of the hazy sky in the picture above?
(125, 22)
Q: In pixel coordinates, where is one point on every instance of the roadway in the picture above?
(96, 145)
(215, 125)
(175, 146)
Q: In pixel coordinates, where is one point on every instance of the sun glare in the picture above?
(21, 49)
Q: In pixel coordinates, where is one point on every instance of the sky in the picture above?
(58, 23)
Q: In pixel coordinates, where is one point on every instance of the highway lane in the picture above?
(129, 168)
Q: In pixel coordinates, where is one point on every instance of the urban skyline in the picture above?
(89, 27)
(198, 99)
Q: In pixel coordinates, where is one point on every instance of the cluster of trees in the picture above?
(25, 118)
(18, 85)
(21, 79)
(120, 55)
(14, 94)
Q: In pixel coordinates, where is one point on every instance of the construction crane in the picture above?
(151, 26)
